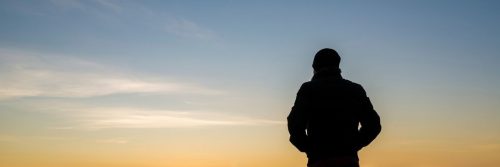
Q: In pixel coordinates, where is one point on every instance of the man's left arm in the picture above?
(369, 120)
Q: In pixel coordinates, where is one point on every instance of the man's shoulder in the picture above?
(338, 81)
(355, 86)
(345, 83)
(306, 85)
(348, 82)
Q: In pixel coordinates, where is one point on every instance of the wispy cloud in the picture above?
(113, 141)
(123, 11)
(8, 138)
(105, 118)
(68, 4)
(88, 5)
(95, 118)
(23, 138)
(110, 5)
(186, 28)
(27, 74)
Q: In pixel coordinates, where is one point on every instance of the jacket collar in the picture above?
(328, 73)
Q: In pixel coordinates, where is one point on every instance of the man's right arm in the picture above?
(298, 119)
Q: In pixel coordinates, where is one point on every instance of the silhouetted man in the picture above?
(324, 121)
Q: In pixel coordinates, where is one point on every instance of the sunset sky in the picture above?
(112, 83)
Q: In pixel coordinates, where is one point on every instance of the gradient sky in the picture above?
(210, 83)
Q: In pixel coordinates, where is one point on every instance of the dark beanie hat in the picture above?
(326, 58)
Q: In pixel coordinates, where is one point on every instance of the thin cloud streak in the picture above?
(88, 5)
(186, 28)
(89, 118)
(168, 23)
(68, 4)
(25, 138)
(109, 4)
(113, 141)
(26, 74)
(8, 138)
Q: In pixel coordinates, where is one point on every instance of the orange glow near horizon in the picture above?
(266, 146)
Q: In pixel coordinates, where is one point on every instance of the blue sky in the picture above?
(431, 68)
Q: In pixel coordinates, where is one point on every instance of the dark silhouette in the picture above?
(324, 121)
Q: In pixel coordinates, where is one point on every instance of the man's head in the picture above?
(326, 58)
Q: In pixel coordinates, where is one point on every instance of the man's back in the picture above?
(331, 109)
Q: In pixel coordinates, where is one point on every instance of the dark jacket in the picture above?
(326, 115)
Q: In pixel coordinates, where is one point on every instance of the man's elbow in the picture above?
(377, 129)
(375, 124)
